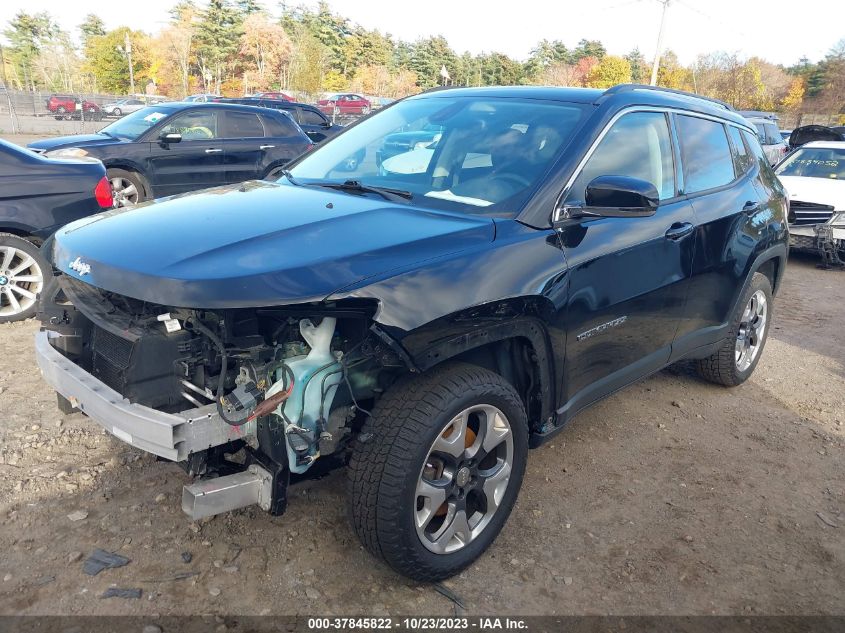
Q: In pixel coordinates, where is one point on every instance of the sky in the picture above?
(770, 29)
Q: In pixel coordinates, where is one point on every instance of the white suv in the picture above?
(768, 134)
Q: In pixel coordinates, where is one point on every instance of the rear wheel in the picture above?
(117, 112)
(22, 271)
(739, 354)
(127, 187)
(437, 468)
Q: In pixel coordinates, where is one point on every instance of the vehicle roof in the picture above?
(621, 95)
(180, 105)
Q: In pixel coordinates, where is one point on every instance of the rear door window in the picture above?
(243, 125)
(705, 153)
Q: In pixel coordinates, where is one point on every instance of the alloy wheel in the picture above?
(463, 479)
(21, 279)
(752, 328)
(123, 192)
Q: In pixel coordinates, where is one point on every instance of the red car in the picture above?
(70, 107)
(345, 104)
(274, 95)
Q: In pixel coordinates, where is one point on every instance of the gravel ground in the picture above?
(671, 497)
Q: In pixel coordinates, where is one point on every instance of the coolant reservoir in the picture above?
(316, 377)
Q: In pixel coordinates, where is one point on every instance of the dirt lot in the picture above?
(672, 497)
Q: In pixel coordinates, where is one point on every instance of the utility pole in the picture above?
(656, 64)
(128, 48)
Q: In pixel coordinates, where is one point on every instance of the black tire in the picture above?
(6, 305)
(133, 177)
(722, 367)
(390, 452)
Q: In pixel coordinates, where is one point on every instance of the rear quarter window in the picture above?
(743, 160)
(705, 153)
(280, 126)
(309, 117)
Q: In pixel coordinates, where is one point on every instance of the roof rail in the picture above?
(772, 116)
(631, 87)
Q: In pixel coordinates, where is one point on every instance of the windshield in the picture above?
(132, 126)
(814, 162)
(472, 154)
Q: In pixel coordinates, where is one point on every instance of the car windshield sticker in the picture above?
(155, 117)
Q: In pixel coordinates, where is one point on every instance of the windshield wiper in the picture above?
(357, 186)
(286, 173)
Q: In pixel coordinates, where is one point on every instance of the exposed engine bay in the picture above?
(294, 382)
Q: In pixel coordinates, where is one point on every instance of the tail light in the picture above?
(102, 192)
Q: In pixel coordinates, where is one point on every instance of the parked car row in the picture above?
(176, 148)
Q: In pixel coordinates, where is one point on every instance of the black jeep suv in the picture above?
(427, 323)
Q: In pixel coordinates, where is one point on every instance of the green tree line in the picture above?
(235, 47)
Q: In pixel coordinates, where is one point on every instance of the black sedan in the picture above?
(173, 148)
(39, 195)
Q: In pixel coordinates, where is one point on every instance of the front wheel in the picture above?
(739, 354)
(117, 112)
(437, 468)
(22, 271)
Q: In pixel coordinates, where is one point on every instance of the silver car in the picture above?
(123, 106)
(768, 134)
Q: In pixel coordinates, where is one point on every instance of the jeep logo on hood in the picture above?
(79, 266)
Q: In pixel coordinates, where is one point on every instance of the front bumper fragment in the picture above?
(173, 436)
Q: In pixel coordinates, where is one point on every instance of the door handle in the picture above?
(679, 230)
(266, 146)
(751, 207)
(213, 150)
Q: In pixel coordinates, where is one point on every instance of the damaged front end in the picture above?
(239, 397)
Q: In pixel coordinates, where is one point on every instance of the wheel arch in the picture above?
(22, 231)
(134, 168)
(516, 348)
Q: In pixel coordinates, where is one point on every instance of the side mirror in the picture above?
(170, 137)
(614, 197)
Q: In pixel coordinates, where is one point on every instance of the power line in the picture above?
(656, 65)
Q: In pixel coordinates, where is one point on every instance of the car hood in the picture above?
(77, 140)
(816, 190)
(256, 244)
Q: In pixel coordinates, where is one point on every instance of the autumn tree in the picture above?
(266, 46)
(27, 34)
(92, 26)
(176, 44)
(217, 35)
(640, 70)
(611, 70)
(794, 97)
(105, 60)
